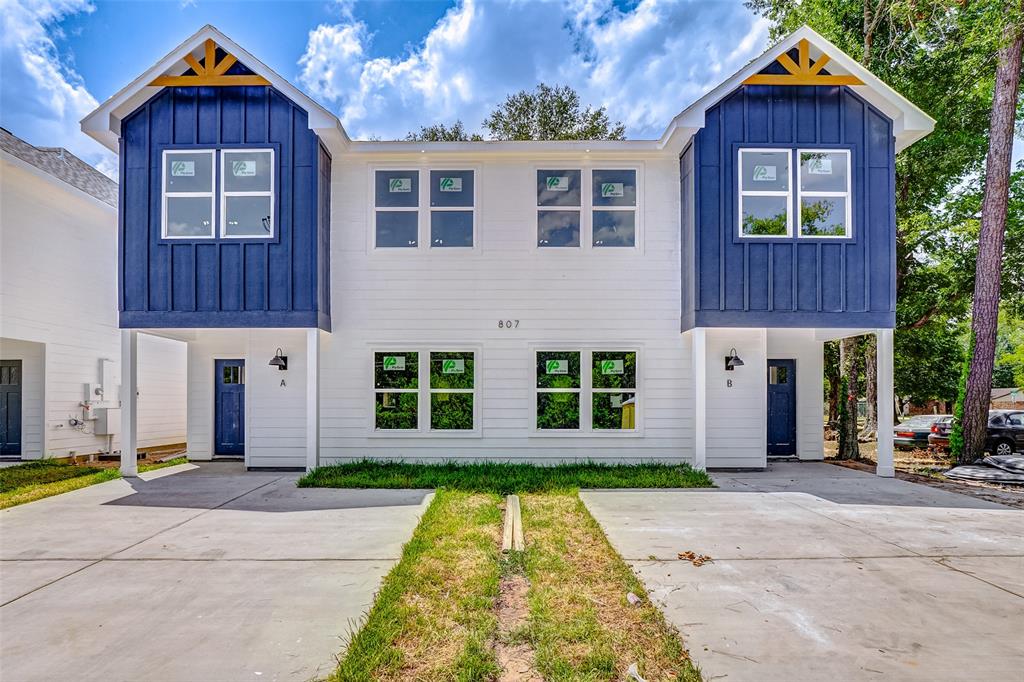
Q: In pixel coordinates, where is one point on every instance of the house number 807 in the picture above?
(508, 324)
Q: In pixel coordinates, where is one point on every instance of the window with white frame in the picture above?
(410, 382)
(452, 391)
(188, 194)
(613, 202)
(396, 377)
(442, 203)
(451, 208)
(570, 216)
(824, 193)
(559, 207)
(396, 209)
(247, 193)
(765, 201)
(603, 399)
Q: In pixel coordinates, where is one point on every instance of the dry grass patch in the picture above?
(581, 624)
(433, 618)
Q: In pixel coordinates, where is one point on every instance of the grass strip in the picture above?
(504, 478)
(433, 618)
(45, 478)
(581, 625)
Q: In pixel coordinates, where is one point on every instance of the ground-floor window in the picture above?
(601, 399)
(446, 393)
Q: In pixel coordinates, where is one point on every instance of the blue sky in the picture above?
(385, 67)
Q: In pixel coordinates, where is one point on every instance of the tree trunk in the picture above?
(870, 430)
(832, 375)
(848, 351)
(985, 309)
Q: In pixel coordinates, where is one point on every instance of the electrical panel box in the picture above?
(108, 421)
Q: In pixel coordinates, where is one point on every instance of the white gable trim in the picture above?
(910, 124)
(104, 124)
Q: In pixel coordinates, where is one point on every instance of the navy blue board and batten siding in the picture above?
(283, 281)
(790, 281)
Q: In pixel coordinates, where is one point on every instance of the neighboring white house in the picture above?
(662, 299)
(59, 341)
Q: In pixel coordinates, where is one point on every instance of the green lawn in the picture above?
(504, 478)
(436, 616)
(44, 478)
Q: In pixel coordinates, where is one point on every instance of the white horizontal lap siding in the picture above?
(162, 391)
(585, 299)
(736, 415)
(58, 288)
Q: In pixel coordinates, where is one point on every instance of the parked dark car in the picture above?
(1005, 432)
(913, 433)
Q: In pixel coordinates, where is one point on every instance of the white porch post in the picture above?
(885, 466)
(129, 402)
(312, 399)
(698, 361)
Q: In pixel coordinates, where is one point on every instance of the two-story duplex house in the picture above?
(660, 299)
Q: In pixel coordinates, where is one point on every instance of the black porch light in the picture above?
(732, 361)
(281, 360)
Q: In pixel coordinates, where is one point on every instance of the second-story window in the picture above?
(824, 193)
(430, 208)
(247, 194)
(188, 194)
(765, 193)
(570, 215)
(559, 207)
(614, 208)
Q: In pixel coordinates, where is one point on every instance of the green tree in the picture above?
(550, 113)
(439, 132)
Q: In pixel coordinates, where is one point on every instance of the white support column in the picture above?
(885, 466)
(129, 402)
(312, 399)
(698, 361)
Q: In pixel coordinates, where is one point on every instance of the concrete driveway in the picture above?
(193, 574)
(825, 573)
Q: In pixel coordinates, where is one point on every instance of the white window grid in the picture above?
(586, 391)
(424, 391)
(848, 195)
(586, 208)
(423, 209)
(165, 194)
(224, 194)
(788, 192)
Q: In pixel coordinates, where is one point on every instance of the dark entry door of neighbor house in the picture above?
(10, 407)
(781, 408)
(229, 435)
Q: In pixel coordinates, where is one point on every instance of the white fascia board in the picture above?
(104, 123)
(910, 123)
(529, 147)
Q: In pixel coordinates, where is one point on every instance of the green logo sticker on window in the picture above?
(451, 185)
(764, 173)
(183, 169)
(557, 366)
(453, 367)
(611, 189)
(616, 399)
(817, 166)
(400, 185)
(394, 363)
(612, 367)
(557, 183)
(243, 169)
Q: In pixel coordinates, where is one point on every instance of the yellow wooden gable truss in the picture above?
(209, 72)
(803, 73)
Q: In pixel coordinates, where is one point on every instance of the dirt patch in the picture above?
(515, 656)
(990, 492)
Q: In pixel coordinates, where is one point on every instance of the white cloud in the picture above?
(51, 95)
(644, 64)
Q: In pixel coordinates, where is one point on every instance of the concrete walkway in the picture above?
(825, 573)
(193, 574)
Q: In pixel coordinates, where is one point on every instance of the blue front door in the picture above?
(781, 408)
(229, 377)
(10, 407)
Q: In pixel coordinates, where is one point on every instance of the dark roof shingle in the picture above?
(63, 165)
